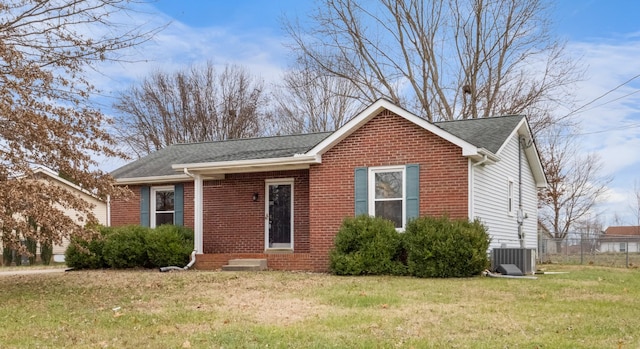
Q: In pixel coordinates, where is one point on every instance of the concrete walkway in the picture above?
(31, 271)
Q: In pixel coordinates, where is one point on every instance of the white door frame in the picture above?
(269, 182)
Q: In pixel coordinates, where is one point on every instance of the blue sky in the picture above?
(604, 33)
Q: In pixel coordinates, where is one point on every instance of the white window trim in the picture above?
(511, 197)
(152, 204)
(371, 190)
(267, 183)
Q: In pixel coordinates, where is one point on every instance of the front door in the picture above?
(279, 217)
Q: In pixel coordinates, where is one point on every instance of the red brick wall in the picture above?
(384, 141)
(234, 223)
(126, 211)
(283, 261)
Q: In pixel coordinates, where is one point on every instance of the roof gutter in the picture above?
(487, 157)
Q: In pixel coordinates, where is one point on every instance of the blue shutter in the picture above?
(413, 191)
(178, 204)
(361, 196)
(144, 206)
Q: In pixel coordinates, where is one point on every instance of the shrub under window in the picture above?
(367, 245)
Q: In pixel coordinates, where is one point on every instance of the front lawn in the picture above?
(589, 307)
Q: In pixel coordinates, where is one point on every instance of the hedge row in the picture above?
(429, 247)
(132, 247)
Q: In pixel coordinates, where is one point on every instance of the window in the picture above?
(623, 247)
(510, 208)
(387, 194)
(162, 206)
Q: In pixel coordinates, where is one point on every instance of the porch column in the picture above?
(197, 213)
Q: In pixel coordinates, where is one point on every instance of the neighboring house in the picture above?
(283, 198)
(547, 243)
(99, 206)
(620, 239)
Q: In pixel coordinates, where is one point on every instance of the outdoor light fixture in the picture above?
(255, 196)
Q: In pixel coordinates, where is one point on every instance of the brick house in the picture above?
(283, 198)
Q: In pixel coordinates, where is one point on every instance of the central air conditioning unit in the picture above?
(523, 258)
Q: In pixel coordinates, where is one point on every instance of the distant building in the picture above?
(621, 239)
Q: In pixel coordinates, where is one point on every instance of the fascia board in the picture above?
(51, 174)
(154, 179)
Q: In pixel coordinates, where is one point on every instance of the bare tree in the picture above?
(308, 101)
(575, 185)
(46, 117)
(446, 59)
(590, 230)
(635, 205)
(195, 105)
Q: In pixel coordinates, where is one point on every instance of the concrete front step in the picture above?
(245, 265)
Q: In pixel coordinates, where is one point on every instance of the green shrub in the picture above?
(439, 247)
(125, 247)
(132, 247)
(83, 254)
(367, 245)
(46, 252)
(169, 245)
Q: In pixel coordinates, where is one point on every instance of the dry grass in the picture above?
(591, 307)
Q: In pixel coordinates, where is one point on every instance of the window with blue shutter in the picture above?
(391, 192)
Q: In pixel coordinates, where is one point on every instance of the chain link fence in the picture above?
(603, 250)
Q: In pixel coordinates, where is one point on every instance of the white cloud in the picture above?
(178, 46)
(610, 126)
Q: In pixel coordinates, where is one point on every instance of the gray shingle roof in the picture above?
(487, 133)
(159, 163)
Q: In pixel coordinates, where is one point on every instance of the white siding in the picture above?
(633, 247)
(490, 193)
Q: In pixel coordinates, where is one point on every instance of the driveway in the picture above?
(31, 271)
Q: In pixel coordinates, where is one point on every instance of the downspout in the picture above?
(191, 263)
(193, 253)
(522, 145)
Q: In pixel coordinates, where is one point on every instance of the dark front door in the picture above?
(279, 218)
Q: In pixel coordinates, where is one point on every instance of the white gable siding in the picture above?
(490, 198)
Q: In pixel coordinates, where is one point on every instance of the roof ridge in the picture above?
(252, 138)
(477, 119)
